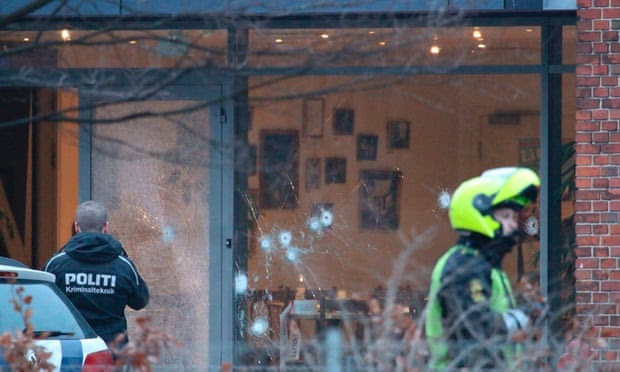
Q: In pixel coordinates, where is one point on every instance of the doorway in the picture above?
(31, 146)
(158, 165)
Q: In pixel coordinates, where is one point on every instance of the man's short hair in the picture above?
(91, 216)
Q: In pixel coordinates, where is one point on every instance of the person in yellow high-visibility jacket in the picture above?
(472, 314)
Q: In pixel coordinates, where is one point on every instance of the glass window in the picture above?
(114, 49)
(152, 173)
(49, 311)
(400, 46)
(375, 160)
(569, 45)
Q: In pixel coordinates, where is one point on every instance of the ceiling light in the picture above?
(65, 34)
(132, 42)
(278, 40)
(371, 32)
(324, 36)
(482, 46)
(26, 39)
(477, 34)
(382, 43)
(435, 49)
(529, 30)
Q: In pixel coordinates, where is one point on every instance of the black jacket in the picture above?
(95, 273)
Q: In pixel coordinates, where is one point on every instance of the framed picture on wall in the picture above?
(278, 169)
(529, 152)
(343, 121)
(367, 146)
(312, 117)
(398, 134)
(335, 170)
(313, 174)
(379, 199)
(319, 208)
(324, 212)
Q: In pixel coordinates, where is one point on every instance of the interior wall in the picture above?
(149, 48)
(450, 140)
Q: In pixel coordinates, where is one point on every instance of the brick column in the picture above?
(597, 176)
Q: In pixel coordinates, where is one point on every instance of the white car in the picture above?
(57, 324)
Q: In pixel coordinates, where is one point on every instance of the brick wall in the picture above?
(597, 175)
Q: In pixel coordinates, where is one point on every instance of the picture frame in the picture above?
(319, 211)
(343, 121)
(313, 173)
(367, 146)
(398, 134)
(319, 208)
(529, 152)
(279, 169)
(312, 117)
(379, 199)
(335, 170)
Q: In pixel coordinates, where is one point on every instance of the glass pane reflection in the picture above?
(400, 46)
(152, 174)
(376, 217)
(114, 49)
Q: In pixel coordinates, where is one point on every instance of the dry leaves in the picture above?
(20, 351)
(145, 348)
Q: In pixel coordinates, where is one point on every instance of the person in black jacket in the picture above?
(94, 271)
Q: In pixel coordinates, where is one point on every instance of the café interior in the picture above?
(325, 160)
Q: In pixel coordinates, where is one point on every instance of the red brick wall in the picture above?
(597, 175)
